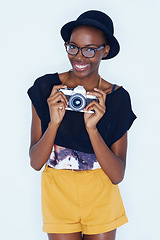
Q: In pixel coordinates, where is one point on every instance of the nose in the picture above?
(79, 54)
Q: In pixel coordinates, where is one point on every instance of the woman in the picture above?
(84, 151)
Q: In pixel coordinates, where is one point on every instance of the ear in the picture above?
(106, 51)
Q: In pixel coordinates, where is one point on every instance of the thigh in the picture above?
(65, 236)
(102, 236)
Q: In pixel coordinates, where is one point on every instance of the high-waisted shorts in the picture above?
(80, 201)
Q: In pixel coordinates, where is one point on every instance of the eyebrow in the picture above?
(88, 45)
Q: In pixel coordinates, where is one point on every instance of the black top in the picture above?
(72, 133)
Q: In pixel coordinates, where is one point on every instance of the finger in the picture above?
(61, 106)
(100, 91)
(59, 96)
(58, 106)
(94, 93)
(94, 103)
(97, 111)
(101, 95)
(97, 92)
(57, 87)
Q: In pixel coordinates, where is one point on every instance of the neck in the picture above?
(89, 83)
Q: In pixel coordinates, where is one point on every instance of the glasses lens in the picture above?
(71, 49)
(88, 52)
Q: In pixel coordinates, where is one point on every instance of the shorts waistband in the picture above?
(51, 169)
(74, 170)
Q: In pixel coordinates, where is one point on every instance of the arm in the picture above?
(112, 160)
(41, 145)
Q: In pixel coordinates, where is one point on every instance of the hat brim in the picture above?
(67, 29)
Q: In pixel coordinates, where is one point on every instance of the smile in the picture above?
(81, 67)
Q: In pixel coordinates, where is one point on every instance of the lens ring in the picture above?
(71, 49)
(86, 53)
(77, 102)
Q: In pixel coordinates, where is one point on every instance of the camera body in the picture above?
(78, 98)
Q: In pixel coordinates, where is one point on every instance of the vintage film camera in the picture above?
(78, 98)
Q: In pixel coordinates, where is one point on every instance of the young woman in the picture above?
(84, 152)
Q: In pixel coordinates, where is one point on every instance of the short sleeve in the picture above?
(123, 116)
(34, 94)
(41, 90)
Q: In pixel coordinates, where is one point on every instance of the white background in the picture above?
(32, 46)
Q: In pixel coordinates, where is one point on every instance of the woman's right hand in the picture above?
(57, 103)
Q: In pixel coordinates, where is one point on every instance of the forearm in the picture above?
(40, 151)
(111, 164)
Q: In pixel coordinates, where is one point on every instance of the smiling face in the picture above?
(85, 36)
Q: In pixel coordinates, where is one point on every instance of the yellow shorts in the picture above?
(80, 201)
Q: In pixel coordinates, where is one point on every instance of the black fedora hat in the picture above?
(98, 20)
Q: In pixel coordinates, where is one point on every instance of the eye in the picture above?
(72, 47)
(90, 49)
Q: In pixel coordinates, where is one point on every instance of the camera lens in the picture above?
(77, 102)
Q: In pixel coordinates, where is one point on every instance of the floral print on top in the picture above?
(65, 158)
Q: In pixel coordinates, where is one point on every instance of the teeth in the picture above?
(82, 66)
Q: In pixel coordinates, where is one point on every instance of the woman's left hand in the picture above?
(91, 119)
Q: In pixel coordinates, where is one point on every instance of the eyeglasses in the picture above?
(88, 52)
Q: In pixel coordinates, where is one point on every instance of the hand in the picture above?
(91, 119)
(57, 103)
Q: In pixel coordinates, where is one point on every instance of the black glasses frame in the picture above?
(81, 48)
